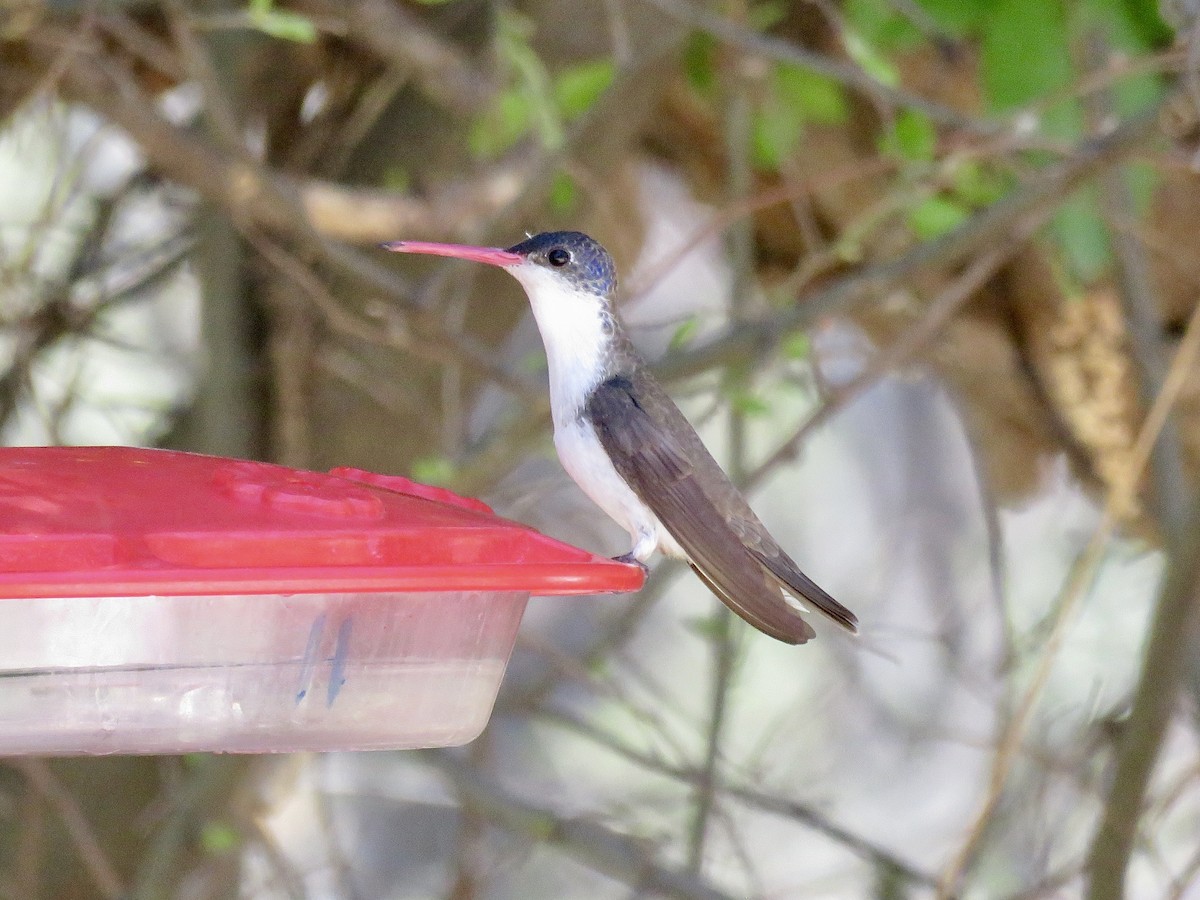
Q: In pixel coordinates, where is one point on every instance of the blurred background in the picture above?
(924, 273)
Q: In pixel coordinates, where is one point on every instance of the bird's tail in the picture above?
(799, 585)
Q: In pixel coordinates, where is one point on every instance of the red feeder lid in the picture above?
(117, 521)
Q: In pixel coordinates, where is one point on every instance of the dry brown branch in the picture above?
(253, 195)
(1172, 635)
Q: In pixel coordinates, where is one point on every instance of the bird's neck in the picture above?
(584, 346)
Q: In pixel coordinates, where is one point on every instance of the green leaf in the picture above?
(1135, 26)
(532, 80)
(1137, 94)
(749, 404)
(934, 216)
(1026, 51)
(435, 470)
(958, 16)
(881, 25)
(767, 14)
(577, 88)
(281, 23)
(684, 333)
(870, 60)
(564, 195)
(794, 97)
(797, 346)
(912, 137)
(1080, 230)
(975, 184)
(397, 178)
(774, 131)
(218, 837)
(507, 121)
(817, 98)
(699, 63)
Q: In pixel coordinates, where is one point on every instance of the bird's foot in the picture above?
(630, 560)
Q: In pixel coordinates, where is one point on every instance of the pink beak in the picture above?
(493, 256)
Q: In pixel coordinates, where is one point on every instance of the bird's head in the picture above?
(554, 263)
(570, 281)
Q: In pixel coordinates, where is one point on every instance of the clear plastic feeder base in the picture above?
(309, 672)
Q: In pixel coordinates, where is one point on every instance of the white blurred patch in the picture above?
(118, 380)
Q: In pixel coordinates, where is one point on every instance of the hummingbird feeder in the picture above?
(161, 602)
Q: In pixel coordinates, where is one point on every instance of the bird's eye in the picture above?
(558, 257)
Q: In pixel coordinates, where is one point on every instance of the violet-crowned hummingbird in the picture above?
(630, 449)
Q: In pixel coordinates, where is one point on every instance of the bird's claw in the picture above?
(630, 560)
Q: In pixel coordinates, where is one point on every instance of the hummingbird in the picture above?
(626, 444)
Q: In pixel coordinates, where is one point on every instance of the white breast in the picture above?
(587, 463)
(577, 334)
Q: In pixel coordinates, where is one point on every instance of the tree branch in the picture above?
(845, 73)
(980, 233)
(397, 36)
(1172, 631)
(755, 798)
(617, 855)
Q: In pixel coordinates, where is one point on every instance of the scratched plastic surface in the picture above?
(160, 602)
(315, 672)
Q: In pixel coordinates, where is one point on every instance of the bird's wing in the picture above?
(655, 450)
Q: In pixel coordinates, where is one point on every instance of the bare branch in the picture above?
(87, 845)
(921, 334)
(592, 844)
(754, 797)
(1163, 660)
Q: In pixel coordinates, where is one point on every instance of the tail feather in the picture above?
(768, 613)
(795, 582)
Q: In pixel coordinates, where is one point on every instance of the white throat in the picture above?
(577, 332)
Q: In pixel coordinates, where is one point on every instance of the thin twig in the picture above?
(596, 846)
(755, 797)
(910, 343)
(209, 785)
(843, 72)
(1170, 494)
(78, 828)
(738, 126)
(979, 234)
